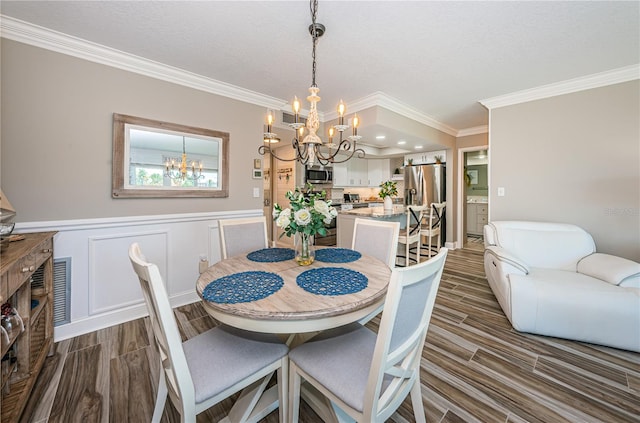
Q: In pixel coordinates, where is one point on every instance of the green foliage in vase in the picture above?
(308, 213)
(388, 189)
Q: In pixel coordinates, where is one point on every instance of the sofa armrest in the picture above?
(608, 268)
(507, 258)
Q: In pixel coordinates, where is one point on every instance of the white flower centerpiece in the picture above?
(306, 217)
(387, 190)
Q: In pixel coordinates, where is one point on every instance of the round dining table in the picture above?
(268, 291)
(309, 298)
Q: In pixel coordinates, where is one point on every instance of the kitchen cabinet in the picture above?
(426, 158)
(378, 171)
(361, 173)
(358, 173)
(26, 282)
(340, 174)
(477, 217)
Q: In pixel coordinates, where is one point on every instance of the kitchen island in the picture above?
(346, 220)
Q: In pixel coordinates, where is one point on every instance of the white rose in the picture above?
(302, 217)
(333, 212)
(283, 221)
(321, 207)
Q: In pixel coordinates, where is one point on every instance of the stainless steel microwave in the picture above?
(319, 174)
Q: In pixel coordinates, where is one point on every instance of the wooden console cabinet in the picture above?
(25, 352)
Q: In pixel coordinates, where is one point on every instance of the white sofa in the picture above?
(549, 280)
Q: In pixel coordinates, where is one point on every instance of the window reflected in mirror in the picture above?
(160, 159)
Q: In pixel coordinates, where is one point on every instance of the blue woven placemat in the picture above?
(242, 287)
(332, 281)
(337, 255)
(267, 255)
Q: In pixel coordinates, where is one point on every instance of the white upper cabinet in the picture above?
(379, 171)
(426, 158)
(340, 174)
(361, 173)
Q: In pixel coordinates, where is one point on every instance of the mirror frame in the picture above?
(119, 144)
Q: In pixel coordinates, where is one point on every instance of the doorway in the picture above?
(473, 196)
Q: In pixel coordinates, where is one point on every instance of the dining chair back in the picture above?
(243, 235)
(432, 226)
(368, 375)
(376, 238)
(379, 239)
(410, 234)
(211, 366)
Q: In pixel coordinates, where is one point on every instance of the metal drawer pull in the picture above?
(28, 269)
(46, 250)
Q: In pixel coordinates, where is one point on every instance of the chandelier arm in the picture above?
(263, 149)
(360, 155)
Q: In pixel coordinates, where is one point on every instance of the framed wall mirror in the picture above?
(161, 159)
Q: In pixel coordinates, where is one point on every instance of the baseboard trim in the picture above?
(116, 317)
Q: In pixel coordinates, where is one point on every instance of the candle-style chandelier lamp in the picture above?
(312, 149)
(184, 170)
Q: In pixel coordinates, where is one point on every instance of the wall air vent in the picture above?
(289, 118)
(61, 288)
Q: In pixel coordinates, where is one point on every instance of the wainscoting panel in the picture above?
(103, 288)
(112, 283)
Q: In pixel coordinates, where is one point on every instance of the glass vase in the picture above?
(305, 252)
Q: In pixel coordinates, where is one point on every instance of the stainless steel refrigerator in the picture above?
(426, 184)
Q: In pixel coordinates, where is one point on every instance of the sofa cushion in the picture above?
(544, 245)
(608, 268)
(575, 306)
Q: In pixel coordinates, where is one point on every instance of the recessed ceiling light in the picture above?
(402, 142)
(380, 137)
(418, 147)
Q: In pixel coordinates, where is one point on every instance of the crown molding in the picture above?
(27, 33)
(381, 99)
(588, 82)
(482, 129)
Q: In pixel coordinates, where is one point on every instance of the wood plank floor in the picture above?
(475, 368)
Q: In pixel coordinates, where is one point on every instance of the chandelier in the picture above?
(180, 172)
(312, 149)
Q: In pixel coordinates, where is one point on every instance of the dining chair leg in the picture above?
(161, 398)
(416, 402)
(283, 394)
(294, 393)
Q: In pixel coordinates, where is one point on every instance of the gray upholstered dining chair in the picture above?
(379, 239)
(211, 366)
(376, 238)
(243, 235)
(368, 376)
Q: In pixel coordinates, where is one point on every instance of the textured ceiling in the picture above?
(436, 58)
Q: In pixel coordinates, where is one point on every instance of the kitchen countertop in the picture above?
(376, 212)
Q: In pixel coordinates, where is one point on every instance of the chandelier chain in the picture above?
(314, 35)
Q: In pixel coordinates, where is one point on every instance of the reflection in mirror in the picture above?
(160, 159)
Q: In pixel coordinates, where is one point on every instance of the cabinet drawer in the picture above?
(43, 251)
(482, 220)
(19, 272)
(482, 209)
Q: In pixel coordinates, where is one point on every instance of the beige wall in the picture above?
(573, 158)
(57, 137)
